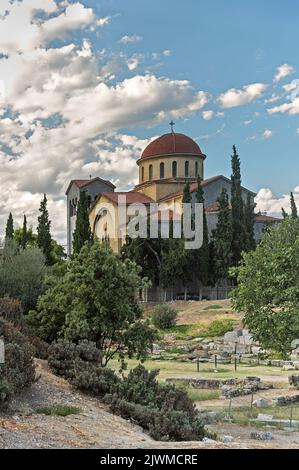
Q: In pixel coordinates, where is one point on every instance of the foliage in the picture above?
(9, 231)
(220, 327)
(268, 287)
(82, 233)
(166, 411)
(222, 238)
(249, 220)
(22, 274)
(18, 370)
(237, 213)
(96, 300)
(164, 317)
(11, 310)
(43, 232)
(201, 257)
(24, 236)
(294, 210)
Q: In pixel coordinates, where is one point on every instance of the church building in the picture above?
(165, 166)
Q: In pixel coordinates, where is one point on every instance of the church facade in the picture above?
(165, 166)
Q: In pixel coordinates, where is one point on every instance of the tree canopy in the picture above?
(268, 287)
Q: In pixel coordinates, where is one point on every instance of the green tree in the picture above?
(96, 300)
(222, 238)
(22, 273)
(294, 210)
(24, 233)
(202, 255)
(82, 231)
(249, 219)
(186, 193)
(268, 287)
(44, 238)
(284, 213)
(9, 231)
(29, 239)
(237, 212)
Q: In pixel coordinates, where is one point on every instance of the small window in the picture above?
(174, 169)
(150, 172)
(186, 169)
(196, 168)
(142, 174)
(162, 170)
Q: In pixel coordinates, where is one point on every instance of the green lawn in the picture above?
(189, 369)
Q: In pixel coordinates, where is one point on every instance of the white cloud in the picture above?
(283, 71)
(290, 108)
(61, 118)
(274, 97)
(234, 97)
(267, 202)
(130, 39)
(290, 86)
(207, 115)
(249, 121)
(267, 134)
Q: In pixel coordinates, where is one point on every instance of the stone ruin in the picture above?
(294, 381)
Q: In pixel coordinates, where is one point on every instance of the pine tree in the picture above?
(24, 233)
(249, 218)
(202, 255)
(222, 238)
(294, 210)
(82, 231)
(43, 231)
(237, 213)
(9, 231)
(186, 193)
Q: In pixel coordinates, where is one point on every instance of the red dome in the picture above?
(172, 143)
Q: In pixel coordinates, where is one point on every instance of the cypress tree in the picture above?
(294, 211)
(9, 231)
(284, 213)
(202, 255)
(249, 217)
(24, 233)
(82, 231)
(186, 193)
(237, 213)
(44, 238)
(222, 238)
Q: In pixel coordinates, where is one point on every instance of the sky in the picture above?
(85, 85)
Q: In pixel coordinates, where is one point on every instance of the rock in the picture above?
(295, 344)
(285, 400)
(262, 436)
(261, 403)
(263, 417)
(169, 337)
(227, 439)
(197, 340)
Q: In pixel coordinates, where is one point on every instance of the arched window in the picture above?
(174, 169)
(142, 174)
(186, 169)
(196, 168)
(162, 168)
(150, 172)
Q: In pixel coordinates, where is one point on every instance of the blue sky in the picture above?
(219, 45)
(85, 85)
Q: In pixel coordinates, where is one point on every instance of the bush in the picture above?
(164, 410)
(41, 348)
(164, 317)
(18, 371)
(220, 327)
(11, 310)
(80, 364)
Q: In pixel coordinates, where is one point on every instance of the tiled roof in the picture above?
(266, 218)
(131, 197)
(172, 143)
(81, 183)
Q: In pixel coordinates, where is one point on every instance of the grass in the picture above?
(243, 415)
(195, 330)
(58, 410)
(213, 307)
(203, 395)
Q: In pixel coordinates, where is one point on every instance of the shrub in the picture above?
(41, 348)
(164, 317)
(80, 364)
(164, 410)
(18, 370)
(220, 327)
(11, 310)
(59, 410)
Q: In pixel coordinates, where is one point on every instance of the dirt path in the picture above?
(94, 427)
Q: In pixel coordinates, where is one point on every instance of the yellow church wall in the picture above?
(167, 160)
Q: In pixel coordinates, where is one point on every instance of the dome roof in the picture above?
(172, 143)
